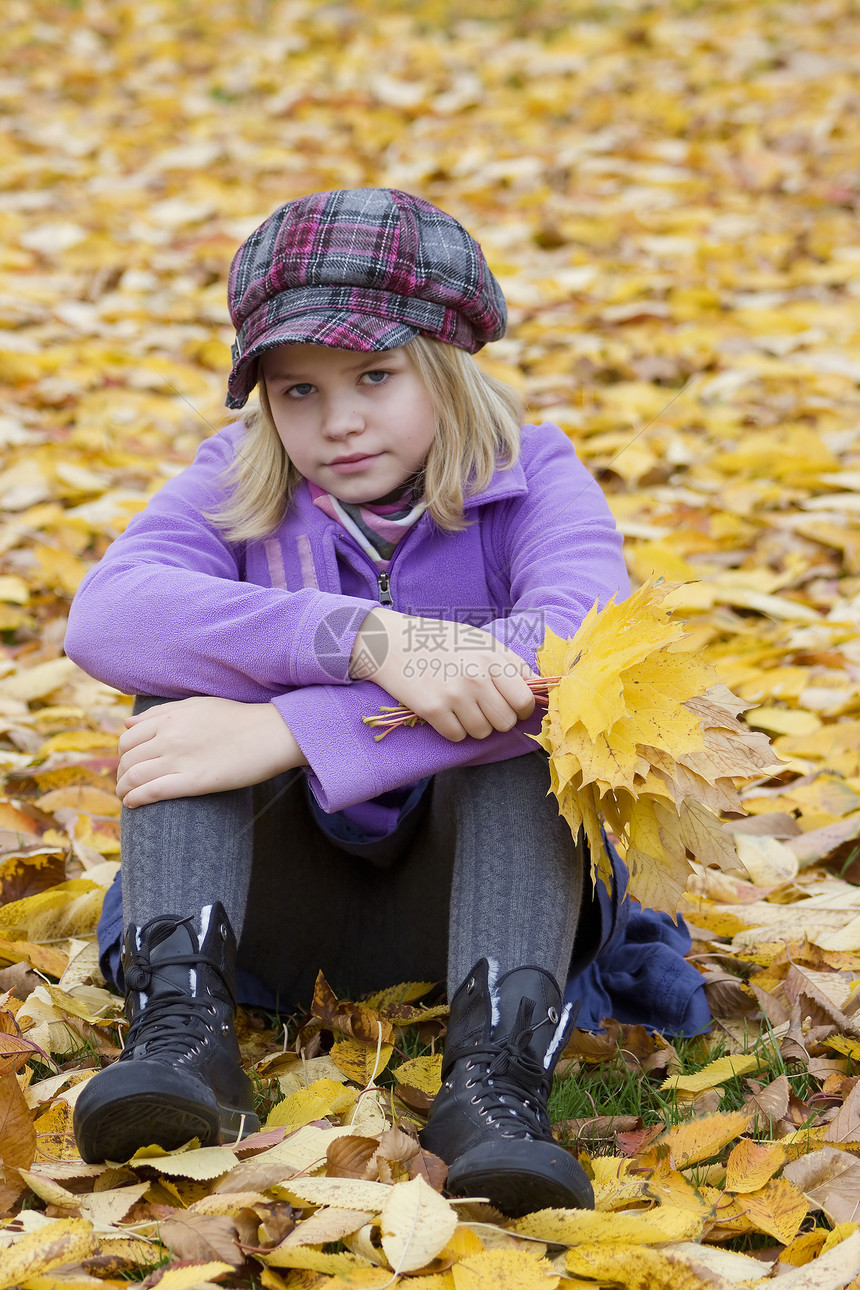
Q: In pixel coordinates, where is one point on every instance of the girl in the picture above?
(381, 530)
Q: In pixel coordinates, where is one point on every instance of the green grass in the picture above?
(615, 1088)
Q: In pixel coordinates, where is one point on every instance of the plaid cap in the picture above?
(364, 269)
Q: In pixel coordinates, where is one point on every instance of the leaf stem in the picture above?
(390, 717)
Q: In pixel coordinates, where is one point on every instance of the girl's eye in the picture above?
(376, 377)
(301, 390)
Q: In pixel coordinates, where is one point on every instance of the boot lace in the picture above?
(172, 1025)
(511, 1086)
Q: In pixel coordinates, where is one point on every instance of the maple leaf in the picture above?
(647, 738)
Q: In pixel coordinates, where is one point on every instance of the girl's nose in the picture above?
(342, 416)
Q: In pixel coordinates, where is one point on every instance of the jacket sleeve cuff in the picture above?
(324, 642)
(348, 765)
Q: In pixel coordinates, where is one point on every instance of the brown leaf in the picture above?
(772, 824)
(202, 1238)
(725, 993)
(256, 1174)
(773, 1008)
(329, 1223)
(636, 1140)
(15, 1052)
(348, 1157)
(415, 1098)
(355, 1020)
(593, 1045)
(799, 984)
(431, 1168)
(770, 1104)
(20, 979)
(597, 1128)
(818, 844)
(845, 1127)
(257, 1142)
(27, 875)
(276, 1222)
(830, 1179)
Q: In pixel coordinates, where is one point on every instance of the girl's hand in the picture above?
(202, 745)
(459, 687)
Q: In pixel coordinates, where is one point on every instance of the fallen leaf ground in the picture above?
(669, 194)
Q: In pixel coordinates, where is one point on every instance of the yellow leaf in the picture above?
(192, 1275)
(299, 1256)
(804, 1248)
(504, 1270)
(752, 1164)
(464, 1243)
(778, 1209)
(702, 1138)
(675, 1192)
(37, 682)
(618, 1193)
(656, 856)
(582, 1226)
(407, 992)
(366, 1277)
(712, 1075)
(66, 1240)
(842, 1044)
(636, 1268)
(81, 1006)
(323, 1097)
(416, 1224)
(79, 741)
(61, 570)
(423, 1073)
(201, 1163)
(326, 1225)
(840, 1233)
(784, 721)
(81, 797)
(359, 1062)
(70, 909)
(54, 1137)
(346, 1193)
(14, 589)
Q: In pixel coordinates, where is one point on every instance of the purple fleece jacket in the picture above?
(174, 609)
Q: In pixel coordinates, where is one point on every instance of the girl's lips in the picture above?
(351, 467)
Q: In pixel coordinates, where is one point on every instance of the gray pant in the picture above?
(484, 866)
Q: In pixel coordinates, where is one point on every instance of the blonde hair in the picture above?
(478, 422)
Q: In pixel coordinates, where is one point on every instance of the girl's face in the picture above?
(358, 425)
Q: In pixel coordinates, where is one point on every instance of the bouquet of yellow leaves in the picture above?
(643, 737)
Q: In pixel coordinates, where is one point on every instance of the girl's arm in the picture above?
(166, 611)
(561, 551)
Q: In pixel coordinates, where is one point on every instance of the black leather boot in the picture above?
(179, 1075)
(489, 1122)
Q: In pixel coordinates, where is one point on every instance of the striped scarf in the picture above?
(376, 526)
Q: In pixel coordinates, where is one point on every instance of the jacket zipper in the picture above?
(383, 580)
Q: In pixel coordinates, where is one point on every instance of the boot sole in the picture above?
(522, 1176)
(114, 1124)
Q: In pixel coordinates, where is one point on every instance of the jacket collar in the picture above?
(504, 483)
